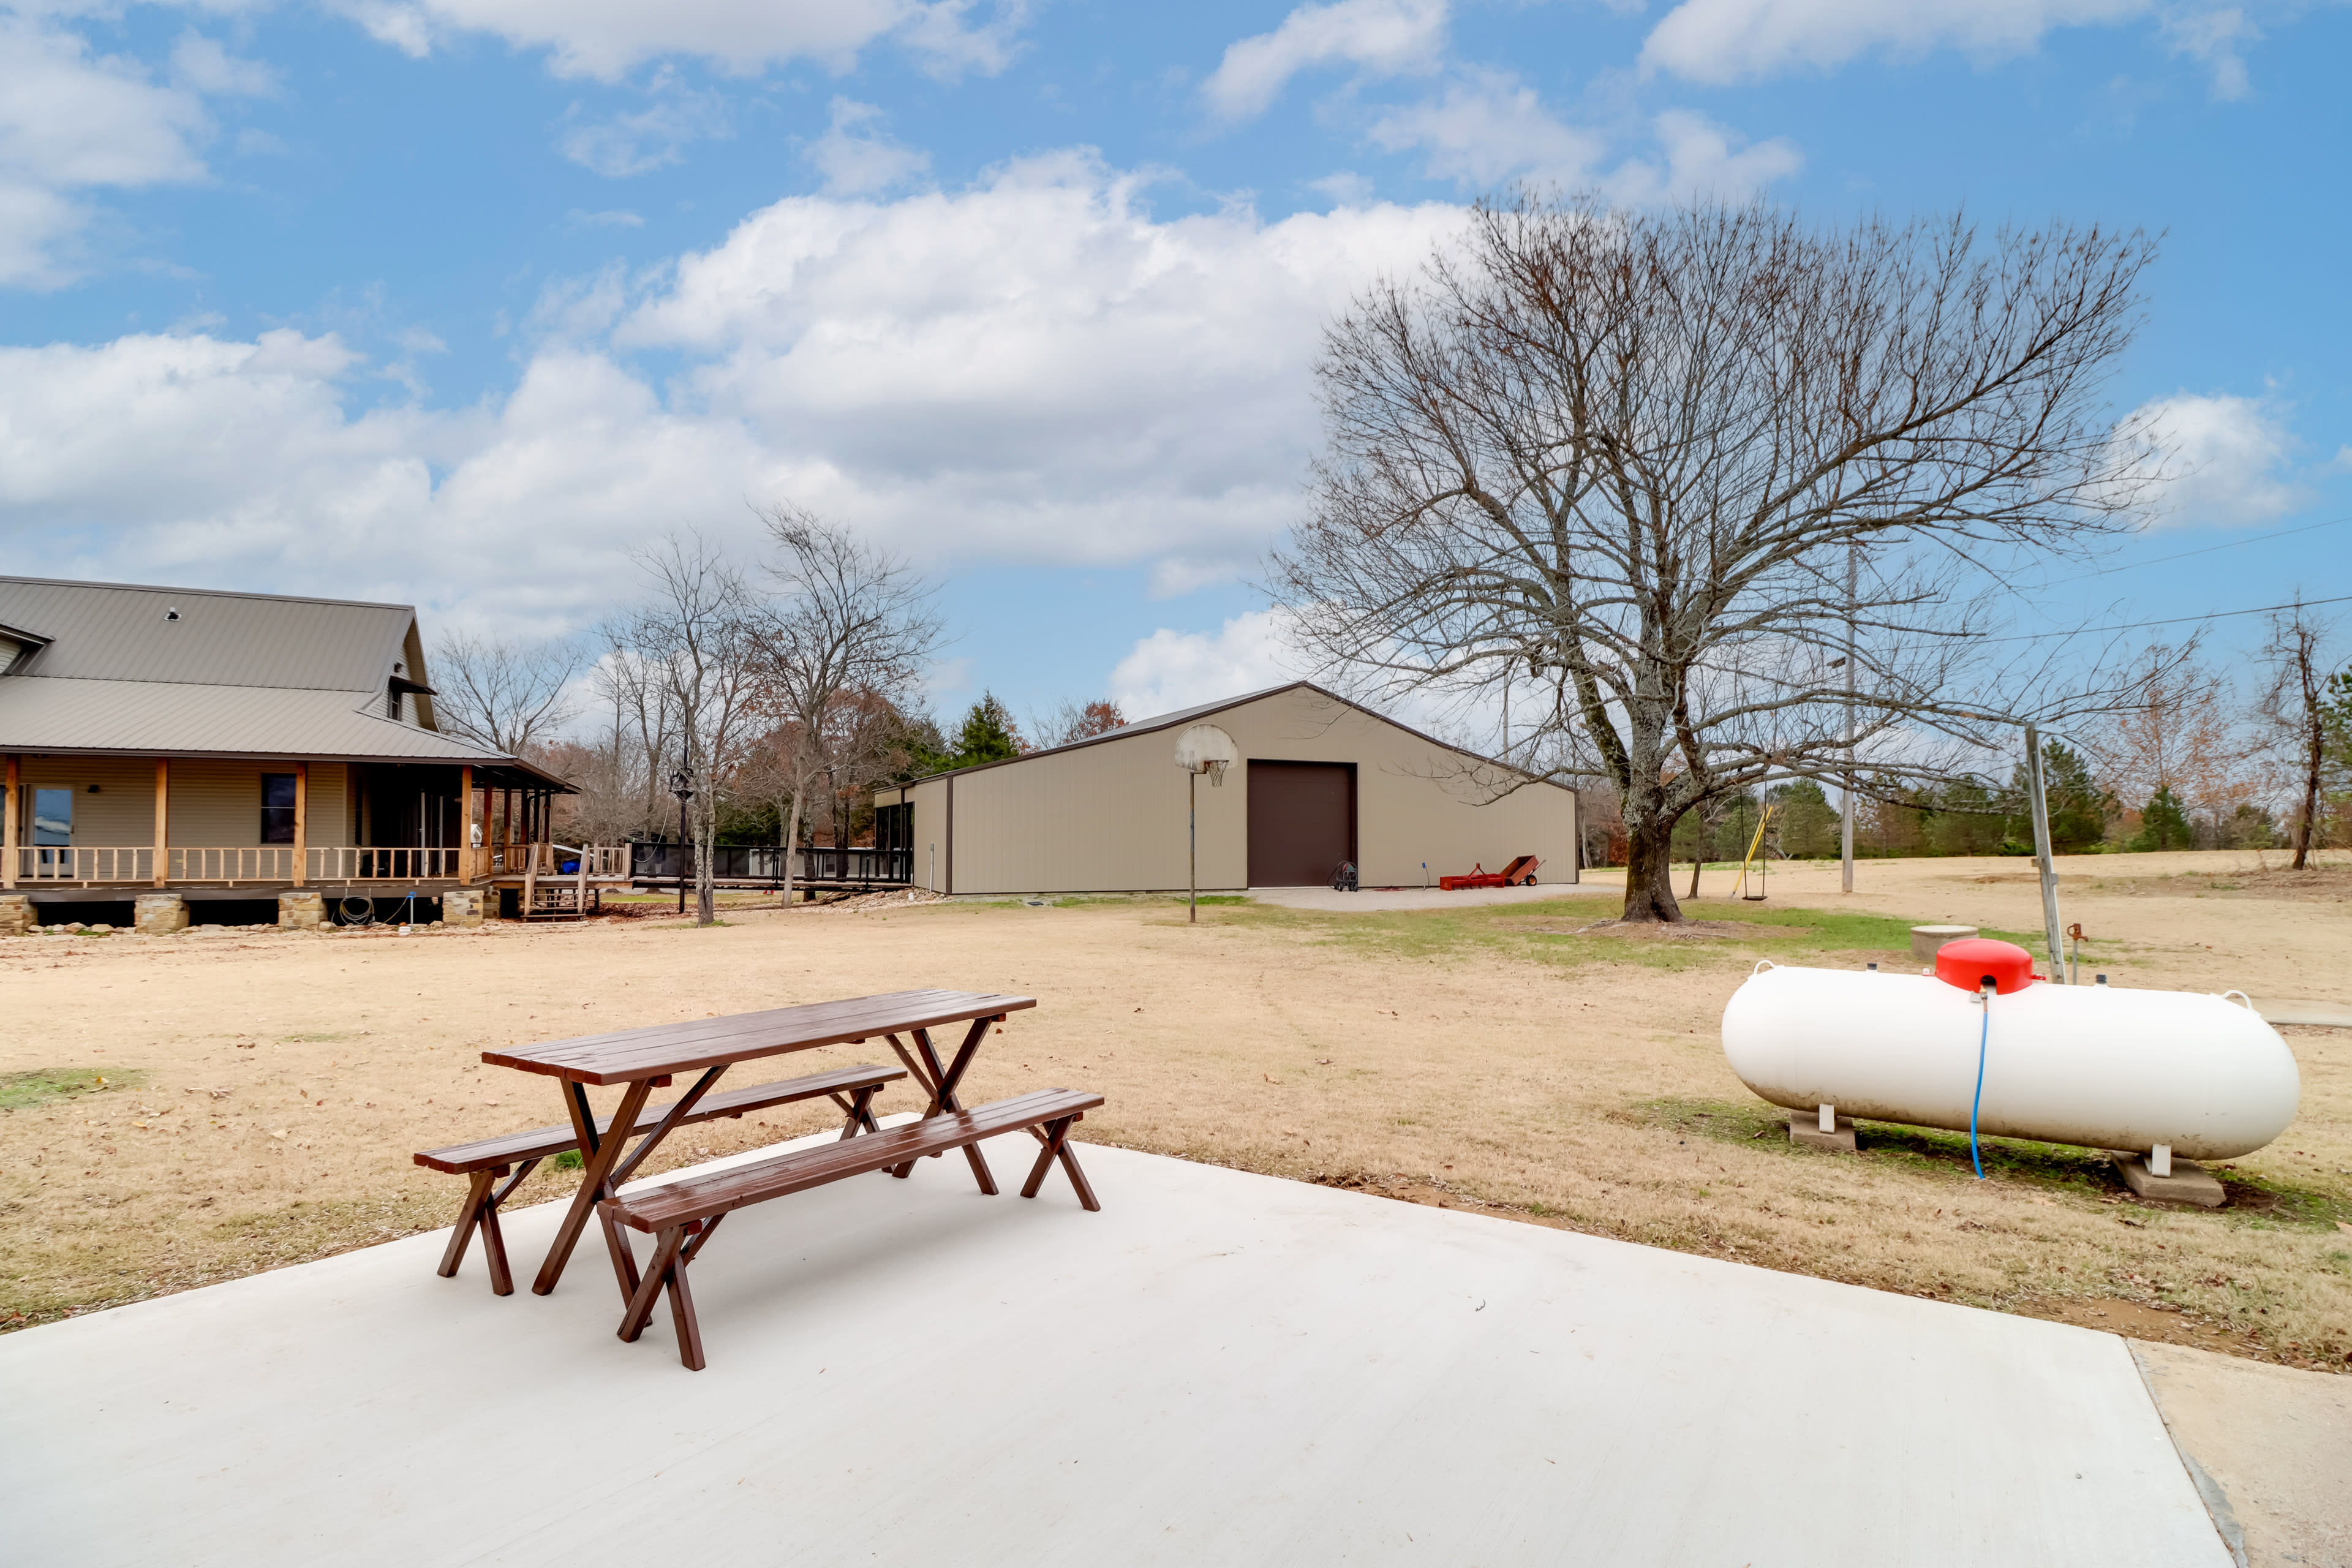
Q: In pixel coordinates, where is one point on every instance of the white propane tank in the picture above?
(2091, 1065)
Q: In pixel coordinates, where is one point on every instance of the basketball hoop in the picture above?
(1206, 748)
(1203, 749)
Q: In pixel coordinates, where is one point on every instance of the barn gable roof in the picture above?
(1206, 709)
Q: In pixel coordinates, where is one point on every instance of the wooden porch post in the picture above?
(465, 791)
(162, 820)
(8, 832)
(301, 821)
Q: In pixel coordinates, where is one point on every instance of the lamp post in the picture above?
(681, 784)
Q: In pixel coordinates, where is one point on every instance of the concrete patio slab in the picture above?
(1217, 1368)
(1379, 900)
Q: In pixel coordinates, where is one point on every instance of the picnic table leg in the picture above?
(947, 1078)
(658, 1267)
(478, 1197)
(602, 1155)
(861, 1115)
(1056, 1138)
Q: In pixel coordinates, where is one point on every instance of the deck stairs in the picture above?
(564, 901)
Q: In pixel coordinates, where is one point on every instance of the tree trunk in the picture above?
(706, 835)
(2308, 829)
(793, 837)
(1649, 873)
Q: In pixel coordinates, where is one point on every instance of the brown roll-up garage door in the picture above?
(1302, 822)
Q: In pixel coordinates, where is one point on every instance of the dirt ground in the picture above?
(262, 1093)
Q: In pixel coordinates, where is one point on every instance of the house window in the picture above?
(277, 808)
(53, 816)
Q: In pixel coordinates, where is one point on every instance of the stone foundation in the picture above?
(159, 914)
(15, 915)
(300, 912)
(462, 908)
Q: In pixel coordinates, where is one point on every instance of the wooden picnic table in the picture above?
(648, 1058)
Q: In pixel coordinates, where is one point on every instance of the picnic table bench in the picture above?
(641, 1061)
(681, 1215)
(485, 1160)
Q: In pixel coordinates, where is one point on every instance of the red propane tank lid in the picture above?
(1971, 961)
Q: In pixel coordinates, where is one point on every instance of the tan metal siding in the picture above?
(218, 804)
(123, 811)
(1111, 816)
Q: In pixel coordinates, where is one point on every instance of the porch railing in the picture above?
(270, 863)
(765, 863)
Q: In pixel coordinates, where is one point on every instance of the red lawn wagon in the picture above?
(1520, 873)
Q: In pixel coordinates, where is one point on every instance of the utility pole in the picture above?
(2042, 855)
(1845, 815)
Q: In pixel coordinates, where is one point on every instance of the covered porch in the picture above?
(113, 826)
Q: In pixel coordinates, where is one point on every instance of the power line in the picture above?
(2173, 620)
(2207, 550)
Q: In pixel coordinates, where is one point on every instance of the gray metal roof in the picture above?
(192, 671)
(51, 715)
(106, 631)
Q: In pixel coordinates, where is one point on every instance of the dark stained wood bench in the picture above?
(484, 1163)
(681, 1215)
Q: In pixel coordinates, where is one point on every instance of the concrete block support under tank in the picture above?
(1805, 1128)
(2188, 1184)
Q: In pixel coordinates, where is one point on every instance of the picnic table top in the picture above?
(628, 1055)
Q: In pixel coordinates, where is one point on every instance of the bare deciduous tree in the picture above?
(1073, 721)
(694, 646)
(503, 695)
(2293, 707)
(1630, 455)
(847, 621)
(2175, 738)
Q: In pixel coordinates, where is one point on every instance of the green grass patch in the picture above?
(2253, 1202)
(1227, 899)
(42, 1085)
(568, 1160)
(1554, 932)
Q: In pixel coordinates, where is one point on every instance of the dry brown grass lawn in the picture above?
(264, 1092)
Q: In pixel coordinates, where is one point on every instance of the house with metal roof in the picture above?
(1312, 789)
(178, 744)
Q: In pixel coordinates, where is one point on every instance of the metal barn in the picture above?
(1319, 780)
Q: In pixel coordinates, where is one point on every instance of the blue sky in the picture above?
(456, 301)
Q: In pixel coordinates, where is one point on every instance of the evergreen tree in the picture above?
(1808, 826)
(2162, 823)
(988, 735)
(1968, 820)
(2079, 808)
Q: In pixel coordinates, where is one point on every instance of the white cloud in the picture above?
(1379, 37)
(1703, 158)
(69, 122)
(605, 38)
(1033, 370)
(1723, 41)
(615, 217)
(1171, 670)
(1486, 128)
(857, 157)
(2228, 462)
(202, 65)
(2216, 36)
(651, 137)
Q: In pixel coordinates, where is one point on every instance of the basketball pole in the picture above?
(1192, 846)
